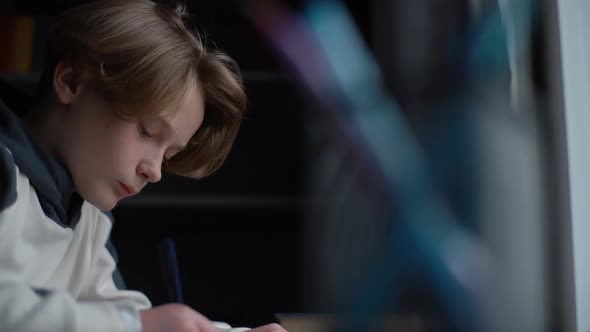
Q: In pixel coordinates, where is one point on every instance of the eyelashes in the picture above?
(143, 131)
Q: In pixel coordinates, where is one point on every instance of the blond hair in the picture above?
(142, 56)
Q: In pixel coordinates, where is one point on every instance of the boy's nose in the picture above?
(149, 171)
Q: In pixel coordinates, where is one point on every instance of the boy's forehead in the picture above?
(159, 111)
(182, 117)
(164, 118)
(192, 96)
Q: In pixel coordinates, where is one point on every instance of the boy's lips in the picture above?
(126, 190)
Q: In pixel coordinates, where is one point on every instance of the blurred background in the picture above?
(399, 160)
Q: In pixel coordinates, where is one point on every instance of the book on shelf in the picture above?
(22, 41)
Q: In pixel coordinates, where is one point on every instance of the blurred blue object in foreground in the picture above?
(324, 49)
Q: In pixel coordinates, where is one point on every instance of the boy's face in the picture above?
(110, 158)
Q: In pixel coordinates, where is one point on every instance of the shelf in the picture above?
(204, 201)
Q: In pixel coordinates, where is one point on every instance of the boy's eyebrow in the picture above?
(163, 120)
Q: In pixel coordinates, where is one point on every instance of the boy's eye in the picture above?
(143, 131)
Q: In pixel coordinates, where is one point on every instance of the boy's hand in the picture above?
(178, 318)
(269, 328)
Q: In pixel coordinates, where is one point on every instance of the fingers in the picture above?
(270, 328)
(175, 317)
(181, 318)
(203, 324)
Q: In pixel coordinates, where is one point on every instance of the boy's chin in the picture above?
(105, 207)
(103, 204)
(100, 197)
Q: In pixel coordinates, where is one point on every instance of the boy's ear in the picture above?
(67, 81)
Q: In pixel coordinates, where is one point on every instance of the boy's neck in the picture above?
(44, 123)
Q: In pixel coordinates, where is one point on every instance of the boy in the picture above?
(127, 91)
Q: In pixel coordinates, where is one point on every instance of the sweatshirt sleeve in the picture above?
(7, 179)
(101, 283)
(23, 309)
(24, 305)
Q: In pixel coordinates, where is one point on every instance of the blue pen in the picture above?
(170, 272)
(171, 275)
